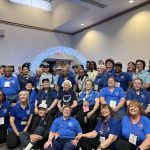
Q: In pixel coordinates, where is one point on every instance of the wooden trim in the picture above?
(32, 27)
(114, 16)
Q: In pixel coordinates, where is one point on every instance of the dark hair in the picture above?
(110, 109)
(95, 66)
(111, 77)
(45, 80)
(131, 62)
(81, 66)
(26, 66)
(111, 60)
(66, 106)
(142, 61)
(29, 82)
(4, 96)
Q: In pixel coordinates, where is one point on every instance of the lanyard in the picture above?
(103, 128)
(131, 125)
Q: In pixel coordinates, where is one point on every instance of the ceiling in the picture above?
(95, 14)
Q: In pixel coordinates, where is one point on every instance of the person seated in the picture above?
(66, 76)
(135, 129)
(113, 96)
(88, 104)
(10, 85)
(20, 119)
(139, 94)
(105, 134)
(67, 97)
(39, 130)
(4, 117)
(63, 132)
(49, 96)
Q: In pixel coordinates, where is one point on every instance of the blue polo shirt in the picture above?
(143, 97)
(4, 112)
(61, 80)
(111, 72)
(20, 115)
(101, 81)
(50, 96)
(9, 86)
(90, 97)
(32, 99)
(140, 129)
(116, 95)
(112, 126)
(123, 78)
(66, 128)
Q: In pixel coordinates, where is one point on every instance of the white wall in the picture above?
(124, 39)
(22, 45)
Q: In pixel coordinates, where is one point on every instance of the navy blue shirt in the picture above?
(123, 78)
(111, 72)
(66, 128)
(4, 112)
(61, 80)
(140, 129)
(32, 99)
(21, 116)
(67, 97)
(112, 126)
(143, 97)
(9, 86)
(50, 96)
(89, 97)
(101, 81)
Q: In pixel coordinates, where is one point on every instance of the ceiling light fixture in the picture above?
(82, 24)
(131, 1)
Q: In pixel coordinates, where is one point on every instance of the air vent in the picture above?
(95, 3)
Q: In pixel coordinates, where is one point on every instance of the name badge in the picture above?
(117, 84)
(23, 123)
(113, 103)
(7, 84)
(102, 139)
(133, 139)
(1, 120)
(85, 108)
(96, 87)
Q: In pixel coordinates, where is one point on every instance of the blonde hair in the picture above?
(67, 82)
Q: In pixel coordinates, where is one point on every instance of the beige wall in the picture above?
(24, 15)
(124, 39)
(22, 45)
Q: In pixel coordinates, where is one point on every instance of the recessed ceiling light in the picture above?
(131, 1)
(82, 24)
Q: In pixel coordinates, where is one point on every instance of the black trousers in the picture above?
(3, 134)
(91, 121)
(12, 140)
(125, 145)
(92, 143)
(25, 137)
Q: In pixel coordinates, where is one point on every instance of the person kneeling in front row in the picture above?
(38, 134)
(63, 132)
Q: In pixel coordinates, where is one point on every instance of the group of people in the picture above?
(97, 107)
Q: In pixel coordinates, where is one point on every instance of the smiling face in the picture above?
(66, 86)
(139, 66)
(100, 69)
(111, 82)
(66, 112)
(134, 110)
(105, 112)
(41, 112)
(23, 96)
